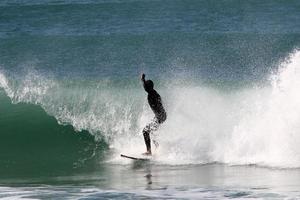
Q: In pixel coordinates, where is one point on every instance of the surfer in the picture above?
(155, 103)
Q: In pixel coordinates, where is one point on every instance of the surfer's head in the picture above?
(148, 85)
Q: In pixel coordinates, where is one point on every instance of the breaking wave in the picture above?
(251, 125)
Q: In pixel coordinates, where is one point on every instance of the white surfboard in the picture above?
(136, 158)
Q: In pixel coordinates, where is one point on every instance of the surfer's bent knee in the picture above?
(162, 119)
(145, 132)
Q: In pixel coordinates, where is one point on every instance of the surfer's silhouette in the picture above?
(155, 103)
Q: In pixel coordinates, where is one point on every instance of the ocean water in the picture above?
(71, 100)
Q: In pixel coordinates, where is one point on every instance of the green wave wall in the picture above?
(34, 144)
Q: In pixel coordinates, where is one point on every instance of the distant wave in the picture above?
(252, 125)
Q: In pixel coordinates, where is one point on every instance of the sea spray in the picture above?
(98, 107)
(4, 85)
(268, 134)
(254, 125)
(258, 125)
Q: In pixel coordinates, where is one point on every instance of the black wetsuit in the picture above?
(155, 103)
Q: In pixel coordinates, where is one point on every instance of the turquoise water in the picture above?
(71, 100)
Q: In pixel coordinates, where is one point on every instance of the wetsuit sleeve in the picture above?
(144, 82)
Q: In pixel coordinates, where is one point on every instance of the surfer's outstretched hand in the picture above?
(143, 77)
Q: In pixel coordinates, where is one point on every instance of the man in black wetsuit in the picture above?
(155, 103)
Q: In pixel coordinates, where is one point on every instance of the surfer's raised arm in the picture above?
(148, 85)
(143, 79)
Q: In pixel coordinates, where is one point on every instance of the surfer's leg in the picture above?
(146, 133)
(156, 144)
(149, 129)
(147, 141)
(153, 126)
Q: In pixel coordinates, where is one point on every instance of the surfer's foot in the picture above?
(147, 153)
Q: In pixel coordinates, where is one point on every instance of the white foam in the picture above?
(247, 126)
(250, 126)
(268, 133)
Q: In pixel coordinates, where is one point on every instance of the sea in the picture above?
(71, 99)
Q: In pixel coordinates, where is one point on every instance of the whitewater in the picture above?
(253, 125)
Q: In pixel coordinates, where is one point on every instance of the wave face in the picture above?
(33, 144)
(246, 125)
